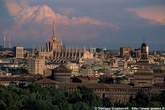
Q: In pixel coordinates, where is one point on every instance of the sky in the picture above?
(84, 23)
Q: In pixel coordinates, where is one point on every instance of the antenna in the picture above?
(6, 40)
(9, 42)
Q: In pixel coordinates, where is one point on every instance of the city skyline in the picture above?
(82, 54)
(94, 23)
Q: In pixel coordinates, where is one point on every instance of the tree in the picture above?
(155, 100)
(162, 98)
(35, 97)
(3, 105)
(105, 79)
(81, 106)
(141, 99)
(32, 103)
(106, 102)
(89, 97)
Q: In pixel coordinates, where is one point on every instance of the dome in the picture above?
(144, 45)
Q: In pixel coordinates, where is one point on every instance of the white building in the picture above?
(19, 52)
(37, 65)
(74, 67)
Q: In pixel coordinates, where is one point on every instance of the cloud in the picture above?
(45, 14)
(155, 14)
(35, 21)
(13, 7)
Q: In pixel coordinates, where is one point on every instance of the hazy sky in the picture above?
(89, 23)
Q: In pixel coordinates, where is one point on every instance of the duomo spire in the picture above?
(53, 30)
(53, 43)
(54, 49)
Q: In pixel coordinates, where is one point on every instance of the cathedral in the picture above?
(56, 53)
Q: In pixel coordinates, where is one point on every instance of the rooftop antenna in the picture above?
(9, 41)
(4, 40)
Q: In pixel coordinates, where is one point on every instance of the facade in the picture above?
(62, 77)
(137, 53)
(125, 51)
(119, 64)
(74, 67)
(19, 52)
(159, 78)
(143, 78)
(147, 75)
(37, 65)
(61, 74)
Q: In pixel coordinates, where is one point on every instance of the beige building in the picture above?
(143, 78)
(125, 51)
(74, 67)
(146, 77)
(37, 65)
(19, 52)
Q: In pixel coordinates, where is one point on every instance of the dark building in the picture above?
(61, 74)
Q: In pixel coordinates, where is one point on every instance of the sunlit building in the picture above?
(57, 53)
(37, 65)
(19, 52)
(125, 51)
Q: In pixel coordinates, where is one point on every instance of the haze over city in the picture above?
(90, 23)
